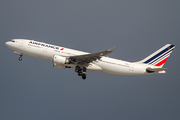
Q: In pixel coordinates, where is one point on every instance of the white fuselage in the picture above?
(105, 64)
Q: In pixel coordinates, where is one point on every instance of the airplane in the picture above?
(62, 57)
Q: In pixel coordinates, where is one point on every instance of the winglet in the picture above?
(112, 49)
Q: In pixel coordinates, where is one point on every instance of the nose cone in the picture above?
(6, 43)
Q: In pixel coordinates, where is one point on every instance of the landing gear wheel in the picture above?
(20, 58)
(77, 69)
(84, 76)
(84, 69)
(81, 71)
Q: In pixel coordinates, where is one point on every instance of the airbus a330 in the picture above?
(62, 57)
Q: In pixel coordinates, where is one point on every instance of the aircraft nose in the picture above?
(6, 43)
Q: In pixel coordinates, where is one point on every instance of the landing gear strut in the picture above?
(20, 58)
(81, 71)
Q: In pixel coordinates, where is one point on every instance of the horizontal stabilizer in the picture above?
(155, 69)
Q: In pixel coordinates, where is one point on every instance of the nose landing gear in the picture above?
(20, 58)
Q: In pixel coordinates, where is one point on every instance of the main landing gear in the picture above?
(81, 71)
(20, 58)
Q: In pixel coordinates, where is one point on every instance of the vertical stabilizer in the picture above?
(159, 57)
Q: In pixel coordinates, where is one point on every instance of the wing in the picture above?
(87, 58)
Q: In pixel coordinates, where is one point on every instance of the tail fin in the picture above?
(159, 57)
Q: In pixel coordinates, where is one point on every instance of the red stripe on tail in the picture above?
(162, 62)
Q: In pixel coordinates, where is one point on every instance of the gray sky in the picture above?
(34, 90)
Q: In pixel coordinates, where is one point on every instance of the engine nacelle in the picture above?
(59, 61)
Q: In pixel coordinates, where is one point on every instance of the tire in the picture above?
(83, 76)
(77, 69)
(84, 69)
(20, 58)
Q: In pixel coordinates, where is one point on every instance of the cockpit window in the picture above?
(12, 41)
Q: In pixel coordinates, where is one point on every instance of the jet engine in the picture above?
(59, 61)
